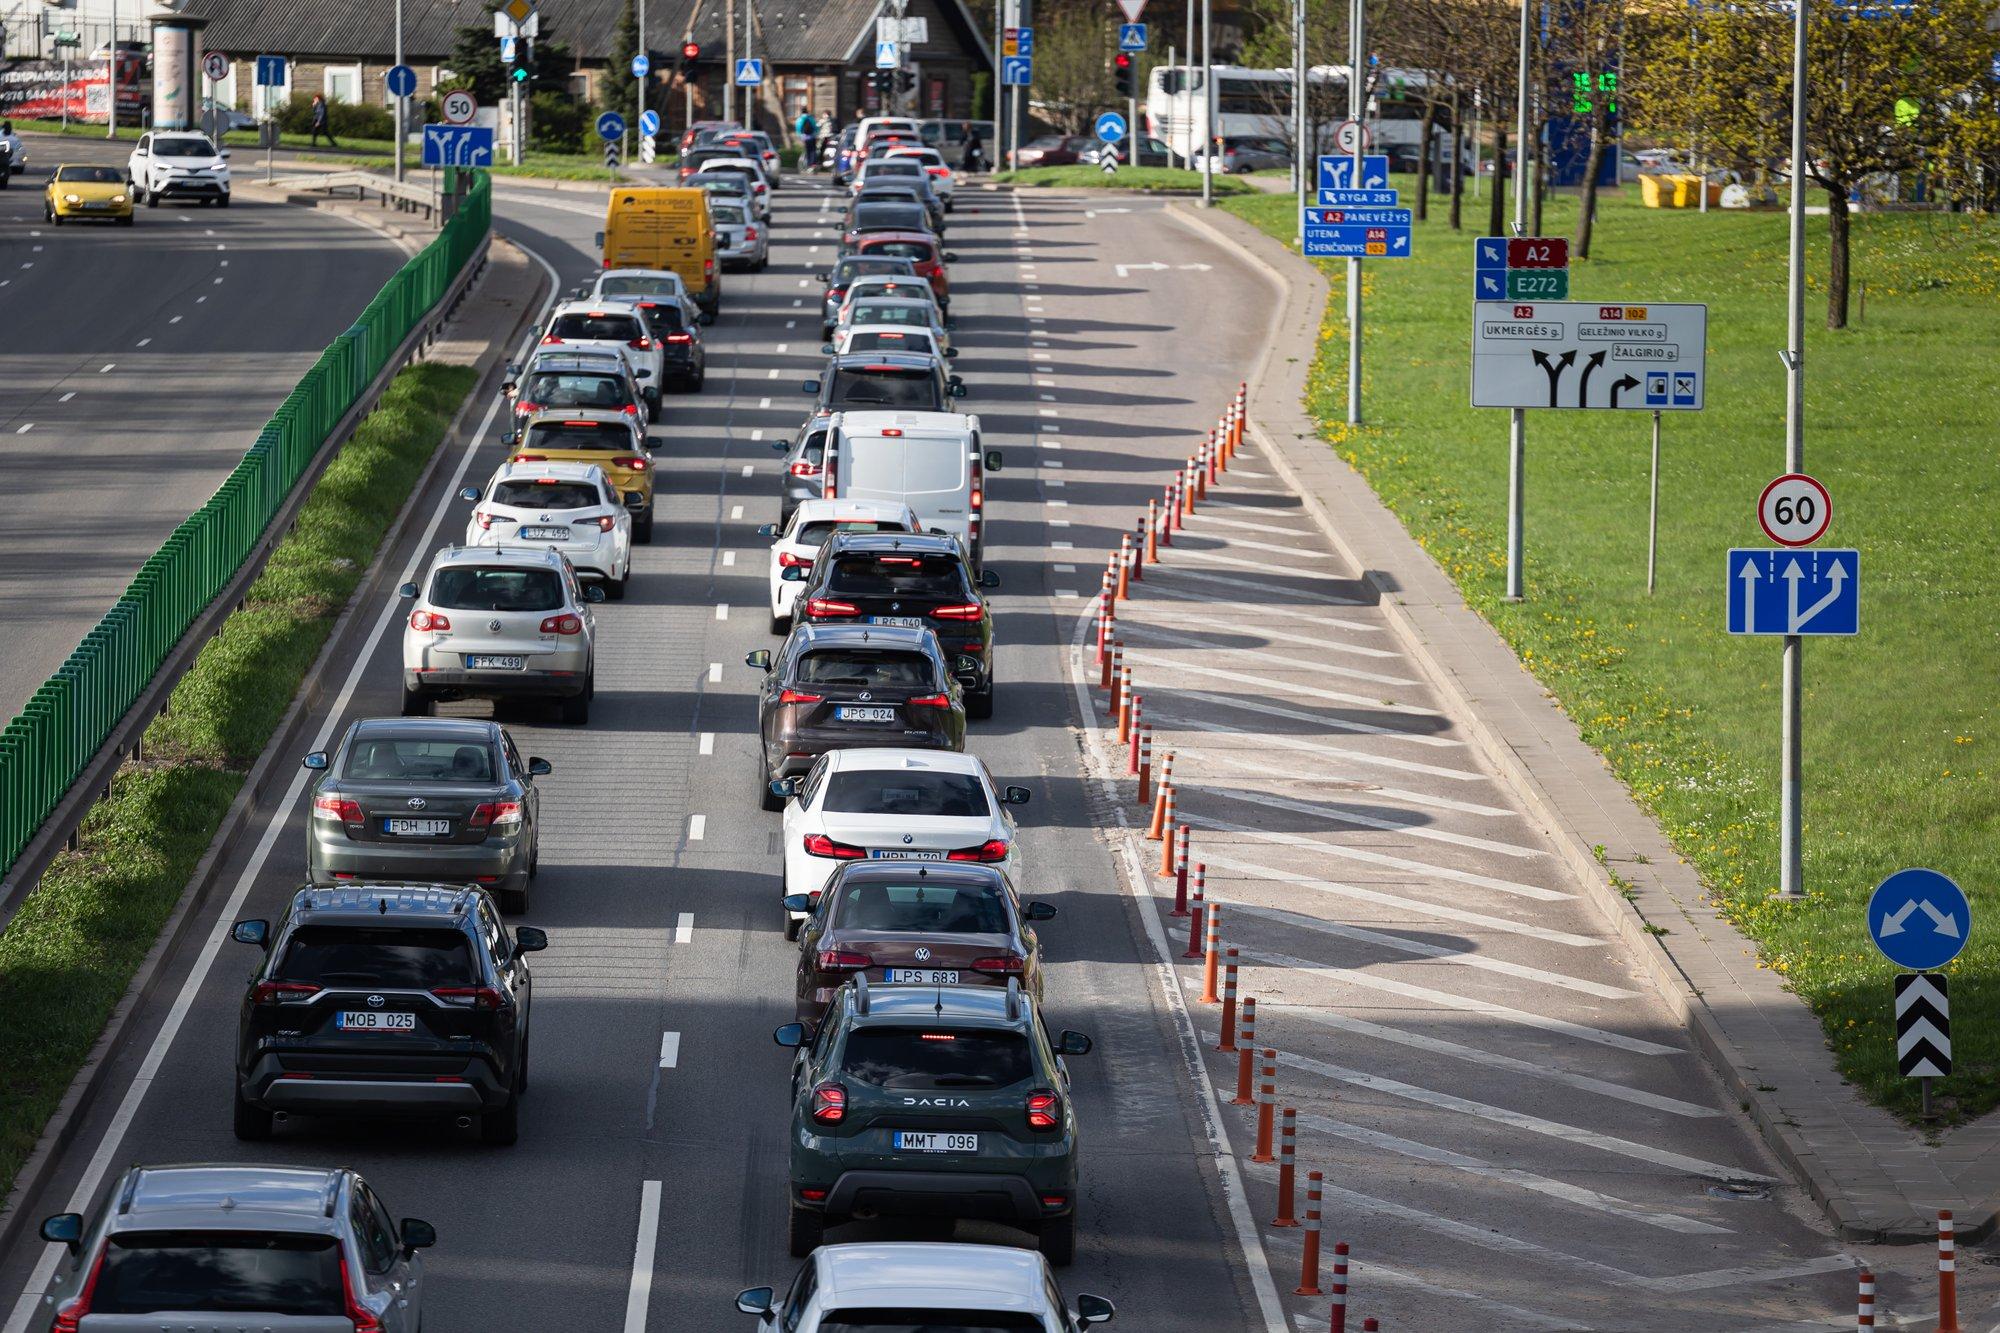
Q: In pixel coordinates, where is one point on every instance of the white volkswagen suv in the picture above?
(505, 622)
(569, 507)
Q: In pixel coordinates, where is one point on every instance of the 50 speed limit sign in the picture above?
(1794, 510)
(458, 108)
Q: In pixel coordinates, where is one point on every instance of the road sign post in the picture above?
(1921, 920)
(457, 146)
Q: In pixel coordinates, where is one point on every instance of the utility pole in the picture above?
(1791, 819)
(999, 121)
(1304, 169)
(1517, 429)
(749, 92)
(111, 120)
(638, 121)
(401, 102)
(1207, 104)
(729, 61)
(1357, 101)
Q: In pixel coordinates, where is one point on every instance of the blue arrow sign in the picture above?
(649, 122)
(1919, 919)
(457, 146)
(1489, 285)
(1110, 127)
(401, 80)
(1345, 241)
(1017, 71)
(507, 45)
(1372, 217)
(1784, 592)
(1359, 198)
(270, 71)
(1131, 37)
(1337, 173)
(1490, 253)
(1025, 38)
(611, 125)
(642, 65)
(749, 72)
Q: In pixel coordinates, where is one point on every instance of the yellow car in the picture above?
(87, 192)
(614, 441)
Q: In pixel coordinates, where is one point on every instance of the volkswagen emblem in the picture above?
(416, 803)
(864, 696)
(374, 1002)
(923, 955)
(493, 626)
(908, 839)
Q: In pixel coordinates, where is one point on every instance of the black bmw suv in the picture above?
(397, 1000)
(890, 381)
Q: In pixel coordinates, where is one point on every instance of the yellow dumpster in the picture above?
(1655, 191)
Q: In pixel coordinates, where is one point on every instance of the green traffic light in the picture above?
(520, 75)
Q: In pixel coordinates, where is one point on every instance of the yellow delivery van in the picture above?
(667, 229)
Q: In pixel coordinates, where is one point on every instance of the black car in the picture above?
(910, 581)
(397, 1000)
(871, 215)
(675, 324)
(890, 381)
(846, 271)
(904, 191)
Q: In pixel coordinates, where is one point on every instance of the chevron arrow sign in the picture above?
(1923, 1025)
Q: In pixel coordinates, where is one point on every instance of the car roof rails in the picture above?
(861, 992)
(1013, 999)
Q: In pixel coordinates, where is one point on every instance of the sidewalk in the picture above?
(1876, 1179)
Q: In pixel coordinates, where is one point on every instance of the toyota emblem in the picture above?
(864, 696)
(908, 839)
(374, 1002)
(923, 955)
(416, 803)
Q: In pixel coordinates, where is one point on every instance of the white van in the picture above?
(931, 461)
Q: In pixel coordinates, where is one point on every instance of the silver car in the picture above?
(499, 624)
(427, 800)
(309, 1250)
(740, 241)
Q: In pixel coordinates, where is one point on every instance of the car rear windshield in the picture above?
(920, 251)
(730, 215)
(913, 576)
(897, 310)
(383, 957)
(813, 534)
(962, 909)
(890, 217)
(888, 340)
(633, 285)
(870, 668)
(720, 183)
(936, 1058)
(897, 791)
(415, 759)
(886, 386)
(663, 318)
(847, 270)
(611, 435)
(891, 166)
(929, 1320)
(552, 388)
(496, 588)
(149, 1272)
(547, 494)
(596, 327)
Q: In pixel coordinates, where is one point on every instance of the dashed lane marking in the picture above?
(684, 928)
(106, 368)
(715, 673)
(697, 827)
(722, 610)
(25, 428)
(640, 1293)
(66, 397)
(728, 559)
(144, 341)
(708, 740)
(670, 1046)
(750, 469)
(735, 512)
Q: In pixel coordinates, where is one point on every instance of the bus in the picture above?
(1258, 102)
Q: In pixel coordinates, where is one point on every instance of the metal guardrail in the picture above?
(408, 195)
(59, 734)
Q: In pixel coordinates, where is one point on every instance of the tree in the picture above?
(621, 90)
(475, 60)
(1593, 28)
(1073, 49)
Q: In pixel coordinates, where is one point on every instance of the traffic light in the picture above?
(906, 81)
(1122, 67)
(885, 82)
(690, 57)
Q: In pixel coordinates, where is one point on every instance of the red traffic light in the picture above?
(1123, 61)
(690, 50)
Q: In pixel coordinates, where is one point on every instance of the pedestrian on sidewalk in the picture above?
(808, 131)
(975, 153)
(319, 123)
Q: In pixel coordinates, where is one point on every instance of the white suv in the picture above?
(611, 326)
(497, 623)
(178, 162)
(798, 542)
(568, 507)
(925, 1286)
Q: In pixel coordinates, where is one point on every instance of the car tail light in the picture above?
(1006, 965)
(604, 522)
(708, 268)
(282, 992)
(550, 340)
(843, 960)
(527, 409)
(641, 344)
(631, 463)
(70, 1316)
(1045, 1112)
(483, 519)
(495, 814)
(1055, 1201)
(963, 611)
(347, 812)
(931, 701)
(749, 233)
(364, 1321)
(533, 458)
(680, 337)
(818, 844)
(630, 409)
(978, 498)
(800, 697)
(829, 1104)
(786, 560)
(827, 606)
(892, 432)
(993, 849)
(470, 997)
(812, 1195)
(566, 623)
(804, 469)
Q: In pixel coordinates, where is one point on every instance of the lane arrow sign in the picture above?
(1942, 922)
(1583, 385)
(1892, 924)
(1623, 383)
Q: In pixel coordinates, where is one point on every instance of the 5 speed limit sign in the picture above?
(1350, 137)
(458, 108)
(1794, 510)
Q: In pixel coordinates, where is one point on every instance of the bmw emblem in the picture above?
(923, 955)
(375, 1002)
(864, 696)
(416, 803)
(908, 839)
(895, 606)
(544, 518)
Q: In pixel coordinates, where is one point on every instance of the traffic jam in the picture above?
(399, 983)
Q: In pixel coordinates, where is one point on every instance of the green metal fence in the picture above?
(43, 750)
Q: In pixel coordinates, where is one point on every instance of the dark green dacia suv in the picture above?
(940, 1101)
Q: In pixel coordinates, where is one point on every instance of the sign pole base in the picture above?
(1653, 510)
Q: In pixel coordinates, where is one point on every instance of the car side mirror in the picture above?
(652, 445)
(791, 1035)
(1073, 1043)
(530, 939)
(992, 460)
(224, 155)
(756, 1300)
(826, 348)
(768, 530)
(316, 761)
(951, 354)
(469, 493)
(822, 277)
(597, 239)
(539, 768)
(793, 574)
(950, 257)
(780, 446)
(593, 593)
(509, 438)
(957, 389)
(64, 1229)
(956, 381)
(1016, 796)
(1094, 1309)
(989, 579)
(801, 902)
(950, 325)
(642, 374)
(417, 1235)
(787, 787)
(707, 317)
(810, 386)
(761, 659)
(407, 590)
(255, 931)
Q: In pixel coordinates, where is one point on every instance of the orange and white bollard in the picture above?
(1122, 560)
(1187, 492)
(1193, 949)
(1213, 454)
(1947, 1274)
(1138, 726)
(1267, 1102)
(1309, 1262)
(1107, 619)
(1227, 1045)
(1211, 955)
(1181, 889)
(1246, 1055)
(1180, 857)
(1163, 809)
(1107, 664)
(1288, 1151)
(1120, 706)
(1146, 764)
(1170, 514)
(1135, 560)
(1339, 1324)
(1864, 1310)
(1153, 532)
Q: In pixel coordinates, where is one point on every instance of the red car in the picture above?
(921, 249)
(1053, 150)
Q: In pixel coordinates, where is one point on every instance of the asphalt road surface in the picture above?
(136, 365)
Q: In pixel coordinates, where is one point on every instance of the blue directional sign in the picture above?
(1373, 217)
(642, 65)
(1489, 253)
(1919, 919)
(1110, 127)
(749, 72)
(1788, 592)
(1337, 173)
(1333, 240)
(611, 125)
(649, 122)
(401, 80)
(1025, 39)
(1359, 198)
(270, 71)
(457, 146)
(1131, 37)
(1017, 71)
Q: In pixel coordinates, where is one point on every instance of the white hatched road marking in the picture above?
(697, 827)
(670, 1048)
(715, 673)
(1290, 612)
(684, 928)
(1318, 747)
(1314, 719)
(1352, 853)
(1340, 815)
(707, 745)
(1262, 766)
(1251, 585)
(1262, 655)
(1171, 661)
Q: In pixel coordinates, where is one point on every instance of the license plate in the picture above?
(96, 204)
(546, 534)
(478, 662)
(891, 854)
(919, 976)
(369, 1020)
(850, 714)
(904, 622)
(930, 1141)
(416, 828)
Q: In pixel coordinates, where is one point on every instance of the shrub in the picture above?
(346, 120)
(560, 122)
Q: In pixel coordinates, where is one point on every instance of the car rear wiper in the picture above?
(963, 1081)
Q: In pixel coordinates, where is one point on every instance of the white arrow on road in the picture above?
(1093, 212)
(1192, 268)
(1793, 575)
(1944, 923)
(1892, 922)
(1749, 576)
(1127, 270)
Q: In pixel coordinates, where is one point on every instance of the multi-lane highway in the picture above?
(136, 365)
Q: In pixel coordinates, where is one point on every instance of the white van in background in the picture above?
(931, 461)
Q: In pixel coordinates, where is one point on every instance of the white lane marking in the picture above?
(707, 742)
(1054, 481)
(797, 303)
(1038, 356)
(1065, 592)
(1531, 1124)
(1056, 504)
(1065, 569)
(1527, 1180)
(1048, 411)
(25, 428)
(697, 827)
(670, 1043)
(66, 397)
(1422, 869)
(774, 373)
(1361, 1027)
(144, 341)
(804, 283)
(175, 320)
(783, 348)
(1319, 618)
(1319, 748)
(1048, 397)
(1058, 522)
(684, 928)
(722, 610)
(791, 323)
(1048, 425)
(735, 512)
(1261, 765)
(1267, 566)
(105, 369)
(755, 436)
(199, 299)
(715, 673)
(1170, 662)
(728, 559)
(1252, 585)
(1731, 1277)
(750, 469)
(35, 249)
(1424, 949)
(1314, 719)
(640, 1294)
(218, 282)
(1204, 518)
(1303, 664)
(1062, 546)
(28, 264)
(763, 402)
(1428, 1284)
(1331, 645)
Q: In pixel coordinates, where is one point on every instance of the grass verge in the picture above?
(543, 166)
(1900, 723)
(70, 952)
(1151, 179)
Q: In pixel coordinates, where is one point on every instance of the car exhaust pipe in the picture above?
(464, 1122)
(280, 1117)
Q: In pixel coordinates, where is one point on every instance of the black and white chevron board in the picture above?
(1923, 1025)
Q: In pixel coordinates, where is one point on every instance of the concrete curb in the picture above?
(1875, 1179)
(336, 652)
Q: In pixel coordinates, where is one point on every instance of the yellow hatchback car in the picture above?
(87, 192)
(614, 441)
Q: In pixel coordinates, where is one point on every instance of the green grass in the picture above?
(69, 954)
(1127, 178)
(542, 166)
(1900, 724)
(234, 139)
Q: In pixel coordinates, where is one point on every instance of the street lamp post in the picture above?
(1791, 874)
(1207, 105)
(1517, 429)
(400, 101)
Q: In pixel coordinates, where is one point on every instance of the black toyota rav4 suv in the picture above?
(400, 1000)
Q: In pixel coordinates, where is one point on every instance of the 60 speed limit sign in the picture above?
(1794, 510)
